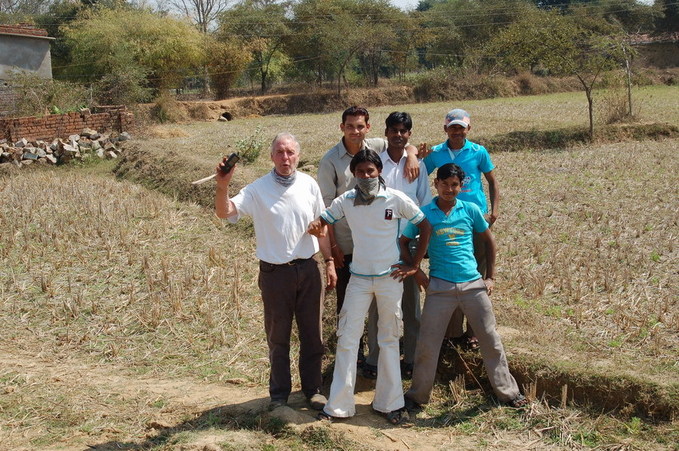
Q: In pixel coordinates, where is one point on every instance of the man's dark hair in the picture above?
(363, 156)
(399, 117)
(356, 111)
(449, 170)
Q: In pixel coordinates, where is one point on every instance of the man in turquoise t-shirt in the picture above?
(474, 160)
(454, 282)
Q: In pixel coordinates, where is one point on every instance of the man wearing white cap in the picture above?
(474, 160)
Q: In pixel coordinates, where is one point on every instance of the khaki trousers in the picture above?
(442, 299)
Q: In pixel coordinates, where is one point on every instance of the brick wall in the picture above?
(116, 118)
(8, 99)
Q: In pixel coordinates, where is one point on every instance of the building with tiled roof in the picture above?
(24, 47)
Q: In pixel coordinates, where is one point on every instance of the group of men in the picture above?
(372, 216)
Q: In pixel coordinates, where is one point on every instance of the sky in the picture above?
(405, 4)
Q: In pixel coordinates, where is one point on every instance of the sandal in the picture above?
(471, 344)
(360, 360)
(518, 403)
(369, 371)
(406, 371)
(398, 416)
(322, 416)
(411, 406)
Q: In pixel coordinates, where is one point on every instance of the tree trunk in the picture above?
(206, 82)
(628, 70)
(590, 106)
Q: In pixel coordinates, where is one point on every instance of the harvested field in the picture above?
(131, 319)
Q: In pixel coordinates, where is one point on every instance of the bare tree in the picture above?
(202, 12)
(23, 6)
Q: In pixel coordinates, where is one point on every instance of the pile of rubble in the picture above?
(87, 144)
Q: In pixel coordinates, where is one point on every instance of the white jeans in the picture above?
(388, 389)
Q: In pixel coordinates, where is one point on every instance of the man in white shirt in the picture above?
(282, 204)
(398, 131)
(335, 178)
(372, 212)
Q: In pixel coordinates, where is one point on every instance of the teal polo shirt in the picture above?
(474, 160)
(451, 247)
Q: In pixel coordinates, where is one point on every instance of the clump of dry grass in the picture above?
(468, 412)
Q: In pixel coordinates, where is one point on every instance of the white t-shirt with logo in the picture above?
(374, 228)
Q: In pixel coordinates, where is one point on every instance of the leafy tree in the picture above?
(456, 27)
(226, 64)
(262, 28)
(382, 24)
(60, 13)
(329, 35)
(326, 36)
(18, 10)
(401, 49)
(424, 5)
(633, 16)
(668, 18)
(563, 47)
(113, 41)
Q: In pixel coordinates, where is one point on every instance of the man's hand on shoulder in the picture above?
(423, 151)
(412, 167)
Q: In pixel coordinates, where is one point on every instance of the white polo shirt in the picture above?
(374, 228)
(281, 216)
(392, 172)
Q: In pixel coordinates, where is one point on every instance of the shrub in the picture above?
(529, 84)
(451, 84)
(166, 109)
(613, 107)
(227, 63)
(123, 86)
(430, 85)
(37, 96)
(250, 147)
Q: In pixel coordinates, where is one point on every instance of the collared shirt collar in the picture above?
(435, 206)
(343, 149)
(466, 145)
(387, 158)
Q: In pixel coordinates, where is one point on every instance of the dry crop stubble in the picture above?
(203, 144)
(587, 246)
(574, 279)
(113, 272)
(110, 273)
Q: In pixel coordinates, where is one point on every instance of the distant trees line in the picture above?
(129, 52)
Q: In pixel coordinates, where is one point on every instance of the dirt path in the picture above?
(176, 404)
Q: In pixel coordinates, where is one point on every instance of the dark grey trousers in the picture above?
(293, 291)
